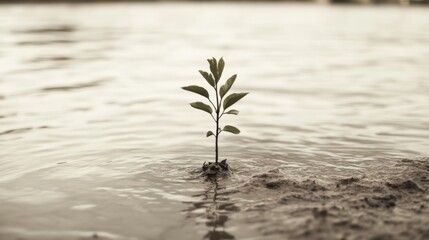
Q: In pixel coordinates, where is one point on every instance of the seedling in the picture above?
(221, 103)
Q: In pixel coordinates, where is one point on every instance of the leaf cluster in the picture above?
(220, 105)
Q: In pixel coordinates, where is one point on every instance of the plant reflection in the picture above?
(213, 210)
(216, 214)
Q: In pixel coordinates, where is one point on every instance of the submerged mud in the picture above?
(391, 204)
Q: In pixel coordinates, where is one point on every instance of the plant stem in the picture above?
(217, 126)
(217, 138)
(212, 103)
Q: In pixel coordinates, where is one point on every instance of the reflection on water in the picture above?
(93, 120)
(213, 211)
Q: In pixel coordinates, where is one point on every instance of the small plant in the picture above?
(221, 102)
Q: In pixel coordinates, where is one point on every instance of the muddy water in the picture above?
(97, 140)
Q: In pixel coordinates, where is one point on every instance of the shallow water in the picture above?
(96, 136)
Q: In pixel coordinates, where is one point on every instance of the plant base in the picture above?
(212, 169)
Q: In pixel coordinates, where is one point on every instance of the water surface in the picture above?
(97, 139)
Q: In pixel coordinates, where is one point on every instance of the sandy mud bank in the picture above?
(391, 204)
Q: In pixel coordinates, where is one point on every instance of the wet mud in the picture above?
(391, 204)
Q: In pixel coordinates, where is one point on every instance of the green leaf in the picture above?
(228, 84)
(231, 129)
(220, 67)
(235, 112)
(209, 133)
(233, 98)
(213, 68)
(202, 106)
(208, 77)
(197, 90)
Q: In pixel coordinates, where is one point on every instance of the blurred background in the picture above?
(404, 2)
(97, 136)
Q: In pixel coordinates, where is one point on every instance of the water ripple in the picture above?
(76, 86)
(48, 29)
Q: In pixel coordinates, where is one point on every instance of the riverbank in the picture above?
(377, 205)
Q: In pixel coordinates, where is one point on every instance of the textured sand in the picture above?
(389, 204)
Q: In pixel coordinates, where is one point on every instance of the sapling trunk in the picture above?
(217, 126)
(217, 142)
(213, 78)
